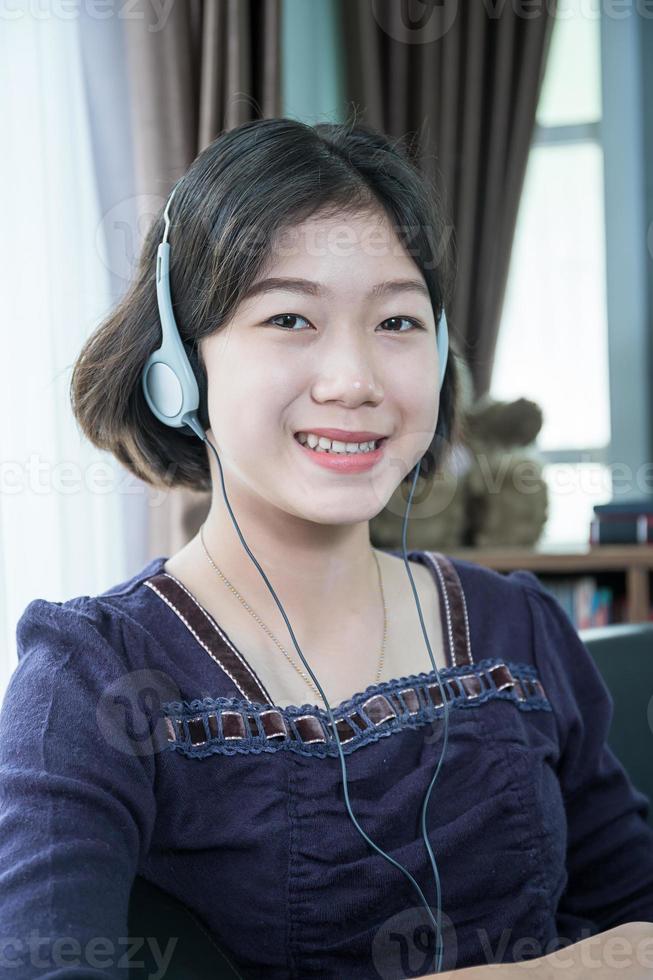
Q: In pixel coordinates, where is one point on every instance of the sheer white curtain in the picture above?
(71, 518)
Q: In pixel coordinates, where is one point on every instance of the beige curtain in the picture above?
(464, 78)
(195, 68)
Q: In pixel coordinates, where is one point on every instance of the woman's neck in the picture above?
(322, 580)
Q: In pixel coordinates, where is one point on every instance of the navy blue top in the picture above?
(135, 739)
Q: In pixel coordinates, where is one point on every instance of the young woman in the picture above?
(168, 727)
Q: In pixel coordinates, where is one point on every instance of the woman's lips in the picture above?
(345, 462)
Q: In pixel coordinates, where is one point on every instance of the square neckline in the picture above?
(194, 610)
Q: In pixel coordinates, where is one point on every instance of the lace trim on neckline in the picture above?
(202, 727)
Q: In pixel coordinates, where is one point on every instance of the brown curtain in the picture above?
(194, 70)
(464, 79)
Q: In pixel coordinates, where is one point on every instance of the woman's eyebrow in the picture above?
(308, 286)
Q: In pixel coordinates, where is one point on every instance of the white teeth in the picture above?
(322, 444)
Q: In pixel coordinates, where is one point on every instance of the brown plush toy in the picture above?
(507, 496)
(489, 490)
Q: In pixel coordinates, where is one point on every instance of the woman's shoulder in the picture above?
(496, 607)
(512, 597)
(62, 628)
(516, 614)
(83, 661)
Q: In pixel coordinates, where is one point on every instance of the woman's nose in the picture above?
(348, 387)
(347, 371)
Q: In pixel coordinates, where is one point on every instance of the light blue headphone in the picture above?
(173, 394)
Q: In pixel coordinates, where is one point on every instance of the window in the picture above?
(553, 341)
(64, 504)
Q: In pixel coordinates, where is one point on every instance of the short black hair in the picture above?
(250, 183)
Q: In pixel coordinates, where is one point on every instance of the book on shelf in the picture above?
(622, 529)
(586, 603)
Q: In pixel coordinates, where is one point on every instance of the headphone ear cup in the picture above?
(202, 384)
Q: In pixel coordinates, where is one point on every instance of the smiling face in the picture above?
(348, 352)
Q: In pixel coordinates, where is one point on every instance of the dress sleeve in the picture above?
(77, 807)
(609, 842)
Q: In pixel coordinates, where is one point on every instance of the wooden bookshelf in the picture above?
(634, 562)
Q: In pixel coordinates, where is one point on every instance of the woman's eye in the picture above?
(287, 316)
(414, 324)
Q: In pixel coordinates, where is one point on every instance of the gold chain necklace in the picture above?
(273, 637)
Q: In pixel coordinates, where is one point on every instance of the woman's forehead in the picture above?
(322, 255)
